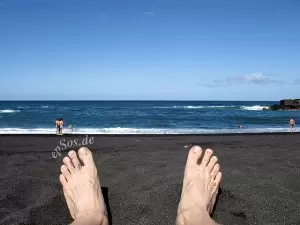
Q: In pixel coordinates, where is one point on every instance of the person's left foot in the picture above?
(81, 186)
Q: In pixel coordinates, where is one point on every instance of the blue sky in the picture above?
(149, 50)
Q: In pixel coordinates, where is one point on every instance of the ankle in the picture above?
(93, 218)
(194, 218)
(187, 209)
(191, 216)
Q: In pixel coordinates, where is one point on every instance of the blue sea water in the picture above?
(143, 117)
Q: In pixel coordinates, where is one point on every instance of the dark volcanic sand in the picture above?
(143, 178)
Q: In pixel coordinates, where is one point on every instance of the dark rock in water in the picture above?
(286, 104)
(275, 107)
(290, 104)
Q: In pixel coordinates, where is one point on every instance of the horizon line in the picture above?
(85, 100)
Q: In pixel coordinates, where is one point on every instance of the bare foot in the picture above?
(200, 188)
(82, 190)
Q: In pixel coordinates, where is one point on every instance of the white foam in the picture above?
(221, 106)
(255, 107)
(9, 111)
(123, 130)
(195, 107)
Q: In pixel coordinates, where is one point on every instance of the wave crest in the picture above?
(9, 111)
(124, 130)
(195, 107)
(255, 107)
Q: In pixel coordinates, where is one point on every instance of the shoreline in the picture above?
(154, 135)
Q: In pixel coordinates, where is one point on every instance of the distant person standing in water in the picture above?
(61, 124)
(57, 126)
(292, 124)
(70, 128)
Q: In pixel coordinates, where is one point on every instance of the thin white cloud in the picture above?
(149, 13)
(257, 78)
(254, 78)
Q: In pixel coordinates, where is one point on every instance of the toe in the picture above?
(194, 156)
(86, 156)
(63, 180)
(73, 156)
(212, 162)
(69, 164)
(218, 179)
(215, 171)
(206, 158)
(64, 170)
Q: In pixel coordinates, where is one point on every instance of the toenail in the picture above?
(217, 167)
(197, 150)
(72, 153)
(83, 151)
(209, 151)
(67, 159)
(63, 167)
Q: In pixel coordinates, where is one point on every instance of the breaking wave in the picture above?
(123, 130)
(195, 107)
(255, 107)
(9, 111)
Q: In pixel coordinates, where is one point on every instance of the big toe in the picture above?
(86, 156)
(194, 156)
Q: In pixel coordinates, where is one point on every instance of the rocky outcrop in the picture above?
(290, 104)
(286, 104)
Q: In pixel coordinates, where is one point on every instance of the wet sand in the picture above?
(142, 176)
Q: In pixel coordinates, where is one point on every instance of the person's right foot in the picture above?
(82, 188)
(200, 188)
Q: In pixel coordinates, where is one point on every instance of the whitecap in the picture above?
(9, 111)
(255, 107)
(127, 130)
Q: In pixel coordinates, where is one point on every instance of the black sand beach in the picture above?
(142, 178)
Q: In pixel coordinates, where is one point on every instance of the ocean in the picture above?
(143, 117)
